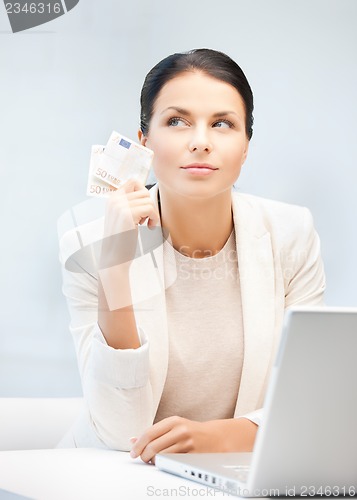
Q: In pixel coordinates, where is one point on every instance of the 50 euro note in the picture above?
(111, 165)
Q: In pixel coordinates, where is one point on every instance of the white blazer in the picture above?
(279, 266)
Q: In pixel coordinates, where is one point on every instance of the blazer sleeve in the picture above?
(115, 382)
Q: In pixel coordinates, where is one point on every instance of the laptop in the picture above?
(307, 442)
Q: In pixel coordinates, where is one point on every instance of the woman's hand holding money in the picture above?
(127, 207)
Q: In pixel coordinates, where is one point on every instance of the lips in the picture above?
(199, 170)
(200, 165)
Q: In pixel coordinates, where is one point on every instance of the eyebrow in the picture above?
(184, 112)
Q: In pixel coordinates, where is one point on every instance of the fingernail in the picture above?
(133, 454)
(133, 439)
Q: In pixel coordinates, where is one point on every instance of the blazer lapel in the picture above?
(256, 272)
(151, 312)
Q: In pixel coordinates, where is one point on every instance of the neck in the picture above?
(198, 227)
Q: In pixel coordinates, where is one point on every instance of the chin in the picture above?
(196, 190)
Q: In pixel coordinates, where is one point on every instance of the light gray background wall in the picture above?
(67, 84)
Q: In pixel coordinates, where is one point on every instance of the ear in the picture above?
(245, 152)
(142, 138)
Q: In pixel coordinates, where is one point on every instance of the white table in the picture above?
(91, 474)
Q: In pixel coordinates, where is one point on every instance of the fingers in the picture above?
(170, 434)
(132, 200)
(176, 448)
(132, 185)
(152, 434)
(170, 443)
(126, 209)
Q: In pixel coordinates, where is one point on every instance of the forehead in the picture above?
(194, 90)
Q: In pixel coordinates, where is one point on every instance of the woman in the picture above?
(184, 368)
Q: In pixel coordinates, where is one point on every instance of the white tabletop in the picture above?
(91, 474)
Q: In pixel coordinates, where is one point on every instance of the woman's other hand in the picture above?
(180, 435)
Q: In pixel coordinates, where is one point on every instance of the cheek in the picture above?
(239, 154)
(164, 155)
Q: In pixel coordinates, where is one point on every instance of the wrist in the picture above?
(232, 434)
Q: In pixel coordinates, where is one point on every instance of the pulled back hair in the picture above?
(212, 62)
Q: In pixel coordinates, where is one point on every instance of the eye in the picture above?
(223, 124)
(176, 122)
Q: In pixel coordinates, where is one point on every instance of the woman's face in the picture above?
(197, 133)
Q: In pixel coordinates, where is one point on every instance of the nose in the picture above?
(200, 141)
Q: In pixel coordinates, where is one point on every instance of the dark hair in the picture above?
(213, 63)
